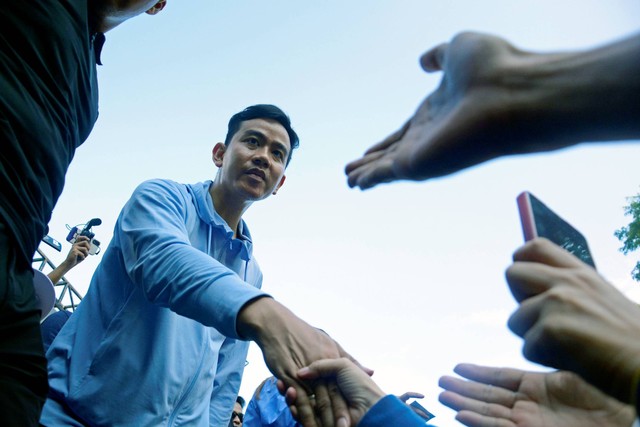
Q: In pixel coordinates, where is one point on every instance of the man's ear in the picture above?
(284, 177)
(217, 154)
(157, 7)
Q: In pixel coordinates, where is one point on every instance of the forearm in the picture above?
(565, 99)
(58, 273)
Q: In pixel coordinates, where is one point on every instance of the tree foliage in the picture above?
(630, 235)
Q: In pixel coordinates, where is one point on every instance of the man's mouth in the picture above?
(257, 172)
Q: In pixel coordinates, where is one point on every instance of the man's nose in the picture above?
(260, 158)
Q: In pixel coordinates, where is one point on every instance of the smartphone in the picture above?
(421, 411)
(540, 221)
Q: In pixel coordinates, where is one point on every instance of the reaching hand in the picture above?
(514, 398)
(463, 122)
(572, 319)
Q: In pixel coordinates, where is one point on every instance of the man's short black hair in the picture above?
(263, 111)
(240, 400)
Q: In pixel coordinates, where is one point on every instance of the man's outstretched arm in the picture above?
(496, 100)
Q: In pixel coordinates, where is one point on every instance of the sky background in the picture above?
(408, 277)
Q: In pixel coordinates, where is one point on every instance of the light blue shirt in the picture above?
(154, 341)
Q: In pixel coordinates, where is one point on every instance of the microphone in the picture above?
(92, 222)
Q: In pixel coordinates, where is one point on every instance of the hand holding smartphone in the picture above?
(540, 221)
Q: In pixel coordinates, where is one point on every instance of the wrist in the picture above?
(372, 395)
(254, 317)
(564, 94)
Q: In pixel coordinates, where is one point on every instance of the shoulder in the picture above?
(160, 188)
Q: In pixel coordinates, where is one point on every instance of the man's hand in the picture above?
(514, 398)
(572, 319)
(288, 344)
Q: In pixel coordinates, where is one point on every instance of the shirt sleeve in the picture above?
(390, 411)
(159, 257)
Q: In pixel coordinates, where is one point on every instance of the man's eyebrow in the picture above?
(255, 133)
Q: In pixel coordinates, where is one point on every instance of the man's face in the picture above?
(252, 165)
(236, 416)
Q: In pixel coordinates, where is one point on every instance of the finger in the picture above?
(323, 368)
(544, 251)
(434, 59)
(526, 316)
(373, 174)
(303, 410)
(507, 378)
(528, 279)
(290, 396)
(363, 161)
(391, 139)
(459, 402)
(410, 395)
(339, 405)
(478, 392)
(282, 388)
(323, 406)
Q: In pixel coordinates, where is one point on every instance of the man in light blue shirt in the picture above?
(161, 336)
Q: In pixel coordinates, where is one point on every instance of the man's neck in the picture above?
(228, 207)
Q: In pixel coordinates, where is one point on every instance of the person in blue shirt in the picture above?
(161, 336)
(268, 407)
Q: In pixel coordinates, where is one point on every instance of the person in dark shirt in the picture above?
(48, 55)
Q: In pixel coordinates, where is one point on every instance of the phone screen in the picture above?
(540, 221)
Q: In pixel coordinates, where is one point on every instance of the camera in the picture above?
(86, 231)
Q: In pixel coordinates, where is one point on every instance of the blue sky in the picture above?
(408, 277)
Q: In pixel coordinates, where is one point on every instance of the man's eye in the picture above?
(252, 141)
(278, 154)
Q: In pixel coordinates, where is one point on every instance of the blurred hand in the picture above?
(465, 121)
(514, 398)
(572, 319)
